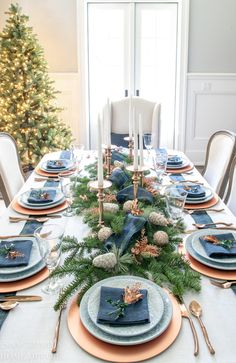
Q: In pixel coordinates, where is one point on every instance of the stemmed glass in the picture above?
(49, 238)
(77, 155)
(159, 163)
(68, 186)
(147, 139)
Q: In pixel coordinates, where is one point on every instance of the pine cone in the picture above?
(104, 233)
(160, 238)
(118, 164)
(110, 207)
(158, 219)
(106, 261)
(128, 206)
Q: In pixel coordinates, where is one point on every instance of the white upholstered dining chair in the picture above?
(220, 152)
(230, 198)
(11, 174)
(119, 111)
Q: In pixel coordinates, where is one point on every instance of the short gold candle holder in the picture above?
(100, 195)
(135, 178)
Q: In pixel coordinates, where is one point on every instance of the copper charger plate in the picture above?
(24, 283)
(117, 353)
(180, 170)
(35, 212)
(205, 205)
(210, 271)
(42, 172)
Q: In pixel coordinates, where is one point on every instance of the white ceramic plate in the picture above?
(155, 305)
(70, 165)
(134, 340)
(34, 260)
(23, 200)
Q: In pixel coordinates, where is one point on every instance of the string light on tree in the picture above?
(27, 96)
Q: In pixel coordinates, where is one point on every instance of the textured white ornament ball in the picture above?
(127, 206)
(158, 219)
(110, 207)
(106, 261)
(104, 233)
(118, 164)
(160, 238)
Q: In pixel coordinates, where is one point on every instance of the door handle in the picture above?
(126, 93)
(137, 92)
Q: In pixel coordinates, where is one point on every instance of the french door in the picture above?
(133, 50)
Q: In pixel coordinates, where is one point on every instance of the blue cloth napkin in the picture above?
(57, 164)
(133, 224)
(136, 313)
(194, 191)
(38, 196)
(119, 178)
(23, 246)
(128, 194)
(202, 217)
(217, 251)
(174, 160)
(117, 156)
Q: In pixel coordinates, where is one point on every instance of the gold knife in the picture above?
(185, 314)
(21, 298)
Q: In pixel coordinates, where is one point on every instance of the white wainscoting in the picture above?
(69, 100)
(211, 106)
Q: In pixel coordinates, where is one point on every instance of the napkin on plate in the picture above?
(42, 196)
(136, 313)
(194, 191)
(57, 164)
(23, 247)
(174, 160)
(218, 251)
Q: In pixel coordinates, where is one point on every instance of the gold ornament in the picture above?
(135, 209)
(132, 294)
(143, 249)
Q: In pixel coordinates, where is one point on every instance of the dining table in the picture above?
(27, 333)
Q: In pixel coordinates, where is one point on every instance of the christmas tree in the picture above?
(27, 95)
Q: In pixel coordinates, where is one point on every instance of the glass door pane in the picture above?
(108, 50)
(155, 60)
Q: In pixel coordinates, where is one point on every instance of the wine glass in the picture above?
(49, 238)
(159, 163)
(68, 189)
(77, 153)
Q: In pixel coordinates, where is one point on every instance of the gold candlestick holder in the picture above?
(141, 173)
(130, 145)
(135, 178)
(108, 161)
(100, 195)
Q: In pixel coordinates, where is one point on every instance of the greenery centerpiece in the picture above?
(137, 239)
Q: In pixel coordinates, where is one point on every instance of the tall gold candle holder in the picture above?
(135, 178)
(130, 145)
(141, 173)
(108, 161)
(100, 195)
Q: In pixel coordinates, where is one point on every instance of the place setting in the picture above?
(125, 319)
(40, 201)
(53, 167)
(178, 164)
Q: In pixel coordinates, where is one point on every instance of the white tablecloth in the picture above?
(27, 333)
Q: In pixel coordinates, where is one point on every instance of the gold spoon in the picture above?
(190, 211)
(19, 219)
(203, 225)
(196, 310)
(8, 305)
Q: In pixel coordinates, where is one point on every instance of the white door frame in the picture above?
(181, 67)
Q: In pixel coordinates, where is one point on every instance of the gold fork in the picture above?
(223, 284)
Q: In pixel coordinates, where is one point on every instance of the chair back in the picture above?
(150, 111)
(230, 198)
(219, 155)
(11, 174)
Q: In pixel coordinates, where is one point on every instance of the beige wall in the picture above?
(54, 21)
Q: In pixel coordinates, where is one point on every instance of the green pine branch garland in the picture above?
(169, 269)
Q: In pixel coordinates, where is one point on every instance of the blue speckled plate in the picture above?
(220, 265)
(155, 305)
(127, 340)
(69, 165)
(23, 200)
(23, 275)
